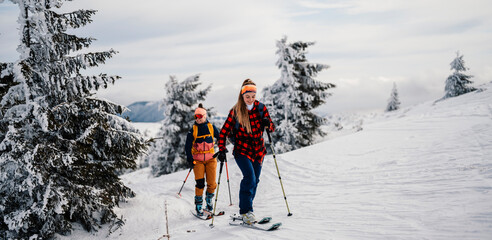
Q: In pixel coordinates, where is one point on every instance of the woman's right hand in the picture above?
(266, 124)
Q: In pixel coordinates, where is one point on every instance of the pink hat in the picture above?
(200, 110)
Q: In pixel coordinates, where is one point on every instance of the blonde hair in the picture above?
(240, 109)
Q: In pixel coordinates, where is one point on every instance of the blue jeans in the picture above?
(251, 176)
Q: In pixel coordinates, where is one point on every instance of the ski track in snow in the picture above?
(424, 173)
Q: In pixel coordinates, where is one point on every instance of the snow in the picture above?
(423, 172)
(148, 129)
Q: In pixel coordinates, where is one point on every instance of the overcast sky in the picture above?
(369, 44)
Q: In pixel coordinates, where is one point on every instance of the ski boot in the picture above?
(248, 218)
(208, 199)
(198, 205)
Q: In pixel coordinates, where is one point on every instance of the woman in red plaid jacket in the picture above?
(245, 124)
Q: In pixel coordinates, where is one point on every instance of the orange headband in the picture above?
(248, 88)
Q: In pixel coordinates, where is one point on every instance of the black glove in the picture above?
(266, 124)
(191, 164)
(221, 155)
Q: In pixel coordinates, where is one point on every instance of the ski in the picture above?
(257, 226)
(217, 214)
(207, 215)
(263, 220)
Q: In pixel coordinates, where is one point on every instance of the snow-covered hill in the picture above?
(423, 172)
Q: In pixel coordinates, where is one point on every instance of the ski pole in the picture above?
(167, 224)
(179, 193)
(278, 172)
(216, 194)
(229, 185)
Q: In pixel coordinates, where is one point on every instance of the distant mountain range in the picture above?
(144, 111)
(148, 111)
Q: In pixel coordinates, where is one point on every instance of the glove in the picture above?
(221, 155)
(266, 124)
(191, 164)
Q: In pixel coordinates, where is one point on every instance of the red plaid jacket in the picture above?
(250, 145)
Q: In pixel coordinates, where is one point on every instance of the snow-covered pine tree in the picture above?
(167, 155)
(292, 98)
(393, 101)
(60, 146)
(457, 83)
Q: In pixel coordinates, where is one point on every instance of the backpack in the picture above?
(203, 151)
(232, 138)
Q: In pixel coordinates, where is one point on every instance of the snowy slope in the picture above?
(423, 172)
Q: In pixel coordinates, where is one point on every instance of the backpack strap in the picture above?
(211, 131)
(195, 133)
(260, 109)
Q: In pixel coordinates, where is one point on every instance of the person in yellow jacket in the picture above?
(199, 152)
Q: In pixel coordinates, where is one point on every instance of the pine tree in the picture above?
(457, 83)
(60, 146)
(292, 99)
(393, 101)
(167, 155)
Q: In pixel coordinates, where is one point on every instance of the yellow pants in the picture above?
(208, 168)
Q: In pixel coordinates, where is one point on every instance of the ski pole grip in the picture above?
(269, 137)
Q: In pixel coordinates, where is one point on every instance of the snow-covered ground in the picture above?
(423, 172)
(148, 129)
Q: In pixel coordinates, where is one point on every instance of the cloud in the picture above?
(325, 4)
(156, 18)
(368, 44)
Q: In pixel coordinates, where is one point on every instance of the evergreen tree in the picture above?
(60, 146)
(457, 83)
(167, 155)
(393, 101)
(292, 99)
